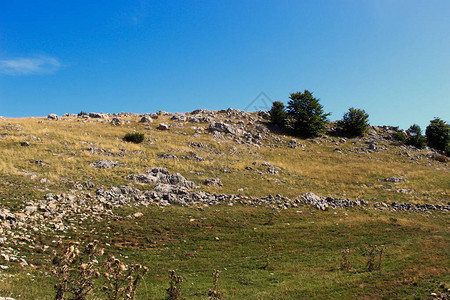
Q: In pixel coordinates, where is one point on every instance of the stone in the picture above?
(179, 118)
(163, 126)
(395, 179)
(213, 182)
(167, 156)
(105, 164)
(161, 175)
(116, 122)
(226, 128)
(25, 144)
(52, 117)
(95, 115)
(30, 209)
(146, 119)
(138, 215)
(193, 156)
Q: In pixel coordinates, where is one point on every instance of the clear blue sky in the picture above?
(389, 57)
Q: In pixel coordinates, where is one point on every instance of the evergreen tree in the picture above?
(278, 113)
(438, 135)
(307, 114)
(355, 122)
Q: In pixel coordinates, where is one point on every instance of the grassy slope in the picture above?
(301, 250)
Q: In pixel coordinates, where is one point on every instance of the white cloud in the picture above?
(29, 66)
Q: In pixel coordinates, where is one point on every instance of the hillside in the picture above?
(223, 190)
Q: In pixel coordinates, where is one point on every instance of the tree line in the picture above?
(304, 115)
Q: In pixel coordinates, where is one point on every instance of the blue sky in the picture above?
(389, 57)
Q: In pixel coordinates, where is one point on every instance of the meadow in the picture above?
(261, 252)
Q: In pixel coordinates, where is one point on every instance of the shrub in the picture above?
(355, 122)
(400, 136)
(134, 137)
(438, 135)
(307, 113)
(82, 113)
(76, 271)
(416, 138)
(214, 293)
(278, 113)
(374, 255)
(174, 291)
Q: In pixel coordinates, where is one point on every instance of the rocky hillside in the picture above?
(59, 172)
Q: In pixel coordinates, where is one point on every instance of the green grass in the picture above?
(267, 254)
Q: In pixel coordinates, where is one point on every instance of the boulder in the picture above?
(213, 182)
(146, 119)
(52, 117)
(163, 126)
(95, 115)
(116, 122)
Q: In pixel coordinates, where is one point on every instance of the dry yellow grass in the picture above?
(63, 145)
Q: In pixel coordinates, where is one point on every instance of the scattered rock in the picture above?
(95, 115)
(395, 179)
(163, 126)
(161, 175)
(213, 182)
(167, 156)
(226, 129)
(25, 144)
(52, 117)
(293, 144)
(193, 156)
(138, 215)
(105, 164)
(146, 119)
(116, 122)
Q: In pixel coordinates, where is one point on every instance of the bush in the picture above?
(355, 122)
(400, 136)
(82, 113)
(416, 138)
(134, 137)
(307, 114)
(438, 135)
(278, 113)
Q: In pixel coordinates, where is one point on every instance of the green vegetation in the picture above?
(309, 119)
(355, 122)
(415, 137)
(264, 253)
(400, 136)
(134, 137)
(438, 135)
(278, 114)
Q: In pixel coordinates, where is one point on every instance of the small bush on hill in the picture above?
(355, 122)
(400, 136)
(307, 114)
(278, 113)
(438, 135)
(134, 137)
(416, 138)
(82, 113)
